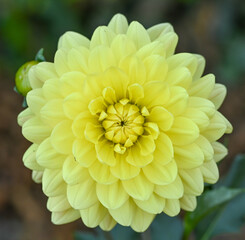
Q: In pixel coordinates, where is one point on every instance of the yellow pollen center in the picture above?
(123, 124)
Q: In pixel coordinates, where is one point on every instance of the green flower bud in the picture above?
(21, 78)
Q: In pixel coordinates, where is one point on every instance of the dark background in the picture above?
(214, 29)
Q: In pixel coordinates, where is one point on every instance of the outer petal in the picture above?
(141, 220)
(192, 180)
(72, 40)
(112, 196)
(118, 24)
(101, 173)
(138, 34)
(35, 131)
(174, 190)
(159, 174)
(29, 158)
(35, 100)
(107, 223)
(218, 94)
(48, 157)
(172, 207)
(24, 116)
(184, 131)
(53, 183)
(210, 172)
(58, 203)
(139, 187)
(159, 30)
(62, 137)
(93, 215)
(188, 202)
(82, 195)
(154, 204)
(63, 217)
(220, 151)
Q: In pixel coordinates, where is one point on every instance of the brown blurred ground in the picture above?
(23, 213)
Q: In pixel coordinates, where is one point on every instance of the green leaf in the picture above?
(207, 204)
(165, 228)
(39, 56)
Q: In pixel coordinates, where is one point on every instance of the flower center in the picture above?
(123, 123)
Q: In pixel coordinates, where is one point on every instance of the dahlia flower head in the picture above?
(122, 127)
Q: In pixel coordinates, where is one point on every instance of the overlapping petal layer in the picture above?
(122, 128)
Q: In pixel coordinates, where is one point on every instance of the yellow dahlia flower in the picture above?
(122, 128)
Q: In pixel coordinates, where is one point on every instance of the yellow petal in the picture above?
(112, 196)
(118, 24)
(35, 130)
(139, 187)
(136, 92)
(73, 172)
(178, 100)
(35, 82)
(169, 40)
(53, 183)
(174, 190)
(162, 117)
(60, 61)
(156, 67)
(156, 94)
(136, 159)
(97, 61)
(29, 158)
(154, 204)
(159, 30)
(97, 105)
(107, 223)
(73, 105)
(52, 112)
(71, 40)
(93, 215)
(37, 176)
(24, 116)
(62, 137)
(63, 217)
(48, 157)
(152, 129)
(216, 128)
(122, 46)
(79, 123)
(192, 180)
(164, 150)
(105, 152)
(45, 71)
(210, 172)
(58, 203)
(102, 36)
(206, 148)
(203, 86)
(134, 68)
(93, 132)
(51, 89)
(220, 151)
(188, 156)
(172, 207)
(123, 170)
(183, 60)
(84, 152)
(141, 220)
(200, 67)
(184, 131)
(124, 214)
(202, 104)
(82, 195)
(180, 76)
(159, 174)
(138, 34)
(146, 145)
(218, 94)
(71, 82)
(188, 203)
(77, 59)
(35, 100)
(101, 173)
(198, 117)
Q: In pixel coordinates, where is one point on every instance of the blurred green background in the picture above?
(212, 28)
